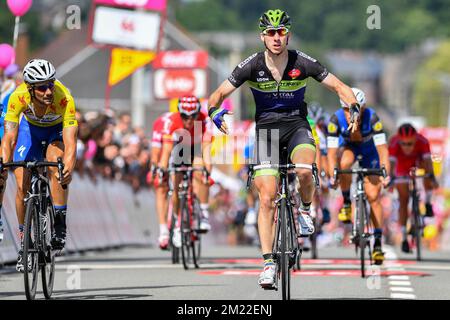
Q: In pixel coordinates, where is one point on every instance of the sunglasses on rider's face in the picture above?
(407, 144)
(191, 117)
(44, 87)
(271, 32)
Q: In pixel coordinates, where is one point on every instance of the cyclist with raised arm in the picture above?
(277, 78)
(187, 142)
(368, 142)
(48, 110)
(161, 187)
(408, 149)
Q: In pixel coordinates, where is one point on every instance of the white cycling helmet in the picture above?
(360, 97)
(38, 70)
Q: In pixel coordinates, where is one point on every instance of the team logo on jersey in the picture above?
(261, 73)
(332, 128)
(378, 126)
(63, 102)
(22, 100)
(294, 73)
(12, 106)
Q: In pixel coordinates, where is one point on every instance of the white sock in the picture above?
(163, 229)
(204, 207)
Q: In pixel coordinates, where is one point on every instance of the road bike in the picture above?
(362, 230)
(38, 254)
(188, 218)
(417, 222)
(285, 248)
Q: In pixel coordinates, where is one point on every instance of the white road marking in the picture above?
(403, 296)
(398, 285)
(401, 289)
(398, 278)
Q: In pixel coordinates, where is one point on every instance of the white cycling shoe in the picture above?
(267, 277)
(176, 238)
(204, 225)
(306, 225)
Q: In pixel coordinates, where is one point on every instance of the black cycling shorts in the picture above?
(273, 138)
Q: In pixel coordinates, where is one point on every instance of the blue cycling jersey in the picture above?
(363, 142)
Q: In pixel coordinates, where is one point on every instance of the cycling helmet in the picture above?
(315, 111)
(274, 19)
(407, 131)
(38, 70)
(189, 105)
(360, 97)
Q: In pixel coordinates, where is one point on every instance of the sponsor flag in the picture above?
(124, 62)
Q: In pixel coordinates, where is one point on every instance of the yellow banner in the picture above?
(125, 61)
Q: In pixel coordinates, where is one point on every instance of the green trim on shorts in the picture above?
(266, 172)
(303, 145)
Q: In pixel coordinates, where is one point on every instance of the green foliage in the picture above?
(431, 96)
(330, 23)
(31, 19)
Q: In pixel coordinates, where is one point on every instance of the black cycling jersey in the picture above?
(283, 101)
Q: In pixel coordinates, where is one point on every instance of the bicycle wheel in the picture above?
(30, 256)
(362, 239)
(284, 254)
(186, 240)
(48, 270)
(313, 239)
(196, 236)
(417, 226)
(174, 250)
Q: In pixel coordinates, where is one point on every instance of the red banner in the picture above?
(156, 5)
(175, 83)
(181, 60)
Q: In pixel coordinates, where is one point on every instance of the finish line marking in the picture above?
(399, 288)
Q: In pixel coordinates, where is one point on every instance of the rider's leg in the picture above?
(55, 150)
(403, 195)
(305, 154)
(201, 189)
(428, 185)
(267, 191)
(176, 238)
(23, 185)
(345, 181)
(162, 204)
(372, 187)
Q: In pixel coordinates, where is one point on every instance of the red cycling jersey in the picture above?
(159, 126)
(175, 130)
(405, 162)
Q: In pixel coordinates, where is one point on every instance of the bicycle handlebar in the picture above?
(35, 165)
(364, 171)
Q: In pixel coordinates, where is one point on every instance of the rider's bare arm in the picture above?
(9, 140)
(344, 92)
(70, 148)
(165, 154)
(222, 92)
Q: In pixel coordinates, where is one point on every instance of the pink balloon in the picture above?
(19, 7)
(7, 55)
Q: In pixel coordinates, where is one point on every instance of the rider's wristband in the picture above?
(212, 111)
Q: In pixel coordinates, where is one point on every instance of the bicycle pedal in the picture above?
(201, 231)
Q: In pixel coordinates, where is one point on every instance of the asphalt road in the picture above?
(230, 273)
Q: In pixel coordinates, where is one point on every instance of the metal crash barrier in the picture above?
(101, 215)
